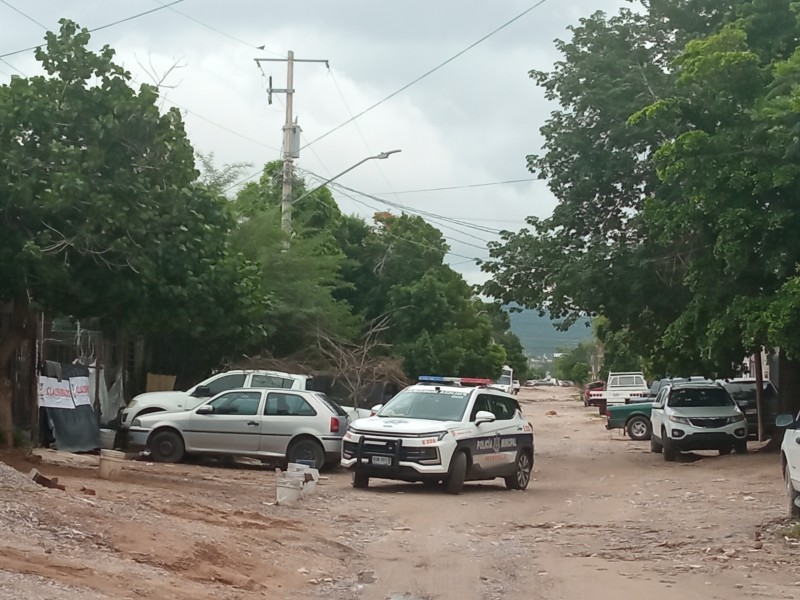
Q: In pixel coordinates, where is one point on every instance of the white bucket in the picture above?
(111, 464)
(288, 491)
(107, 437)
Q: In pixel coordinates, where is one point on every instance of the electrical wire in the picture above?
(101, 27)
(463, 187)
(429, 72)
(414, 242)
(30, 18)
(217, 31)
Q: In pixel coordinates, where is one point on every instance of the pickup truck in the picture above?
(621, 388)
(634, 418)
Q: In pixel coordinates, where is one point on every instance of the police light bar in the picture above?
(436, 378)
(475, 381)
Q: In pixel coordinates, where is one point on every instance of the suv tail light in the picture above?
(334, 425)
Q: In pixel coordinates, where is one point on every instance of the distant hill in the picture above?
(538, 336)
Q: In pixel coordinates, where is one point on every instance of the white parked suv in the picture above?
(171, 401)
(440, 433)
(790, 460)
(696, 415)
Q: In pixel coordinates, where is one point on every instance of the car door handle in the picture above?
(252, 423)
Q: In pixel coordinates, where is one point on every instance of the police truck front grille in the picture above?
(393, 448)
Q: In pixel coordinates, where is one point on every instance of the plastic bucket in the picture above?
(107, 438)
(288, 491)
(111, 464)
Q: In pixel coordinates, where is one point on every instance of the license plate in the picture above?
(751, 411)
(382, 460)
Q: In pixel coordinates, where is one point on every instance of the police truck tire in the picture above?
(522, 472)
(458, 473)
(360, 480)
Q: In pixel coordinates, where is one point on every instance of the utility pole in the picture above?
(291, 135)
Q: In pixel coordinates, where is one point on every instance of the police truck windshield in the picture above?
(434, 404)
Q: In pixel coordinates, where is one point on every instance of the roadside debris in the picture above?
(48, 482)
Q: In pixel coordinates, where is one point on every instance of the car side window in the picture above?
(288, 405)
(481, 403)
(237, 403)
(226, 382)
(502, 409)
(659, 402)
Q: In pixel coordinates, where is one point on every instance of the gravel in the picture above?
(12, 479)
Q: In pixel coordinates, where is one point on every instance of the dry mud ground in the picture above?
(604, 518)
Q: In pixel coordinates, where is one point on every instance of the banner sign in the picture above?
(56, 394)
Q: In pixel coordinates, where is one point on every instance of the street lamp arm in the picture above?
(380, 156)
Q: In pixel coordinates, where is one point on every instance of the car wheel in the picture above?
(639, 429)
(360, 480)
(669, 449)
(655, 447)
(522, 473)
(725, 451)
(306, 449)
(166, 446)
(741, 447)
(458, 473)
(794, 510)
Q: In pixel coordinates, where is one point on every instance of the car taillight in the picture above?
(334, 425)
(608, 413)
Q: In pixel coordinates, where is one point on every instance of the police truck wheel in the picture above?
(522, 473)
(360, 480)
(458, 473)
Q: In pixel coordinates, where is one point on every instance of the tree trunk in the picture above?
(760, 396)
(22, 325)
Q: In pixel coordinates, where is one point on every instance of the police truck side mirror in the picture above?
(484, 416)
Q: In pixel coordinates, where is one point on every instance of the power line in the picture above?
(218, 31)
(463, 187)
(422, 212)
(106, 26)
(429, 72)
(30, 18)
(5, 62)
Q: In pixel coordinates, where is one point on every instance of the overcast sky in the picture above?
(471, 122)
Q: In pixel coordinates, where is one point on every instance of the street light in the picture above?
(380, 156)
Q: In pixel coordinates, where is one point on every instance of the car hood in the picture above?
(171, 401)
(402, 425)
(706, 411)
(172, 417)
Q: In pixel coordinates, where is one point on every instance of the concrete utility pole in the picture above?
(291, 135)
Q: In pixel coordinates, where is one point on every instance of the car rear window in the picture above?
(332, 406)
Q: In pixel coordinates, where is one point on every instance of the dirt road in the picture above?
(603, 518)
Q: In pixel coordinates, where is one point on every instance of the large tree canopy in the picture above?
(673, 159)
(102, 213)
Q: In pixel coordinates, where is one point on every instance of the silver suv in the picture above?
(258, 423)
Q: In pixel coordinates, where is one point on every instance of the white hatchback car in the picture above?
(441, 433)
(268, 424)
(696, 416)
(790, 460)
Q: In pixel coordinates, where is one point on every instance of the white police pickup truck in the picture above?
(442, 433)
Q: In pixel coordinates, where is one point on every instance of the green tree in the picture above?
(574, 364)
(101, 213)
(671, 158)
